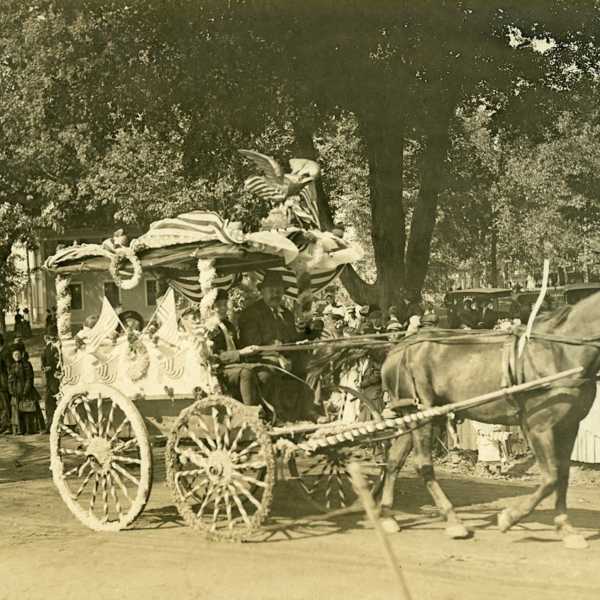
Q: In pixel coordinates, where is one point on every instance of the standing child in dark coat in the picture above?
(24, 397)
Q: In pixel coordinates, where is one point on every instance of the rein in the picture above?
(497, 337)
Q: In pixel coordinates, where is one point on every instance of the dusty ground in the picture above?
(45, 553)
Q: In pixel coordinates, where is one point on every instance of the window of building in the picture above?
(155, 288)
(112, 293)
(76, 291)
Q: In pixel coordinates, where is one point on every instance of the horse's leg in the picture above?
(422, 439)
(565, 441)
(397, 455)
(543, 444)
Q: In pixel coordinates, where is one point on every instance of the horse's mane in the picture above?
(554, 319)
(561, 316)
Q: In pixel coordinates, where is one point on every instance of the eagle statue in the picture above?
(294, 193)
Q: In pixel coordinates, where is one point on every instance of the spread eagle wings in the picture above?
(266, 164)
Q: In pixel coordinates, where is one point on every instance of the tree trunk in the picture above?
(360, 291)
(384, 139)
(431, 170)
(494, 256)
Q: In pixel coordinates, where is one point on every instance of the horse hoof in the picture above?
(575, 542)
(457, 532)
(390, 525)
(504, 521)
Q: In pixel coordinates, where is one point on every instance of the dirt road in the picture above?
(45, 553)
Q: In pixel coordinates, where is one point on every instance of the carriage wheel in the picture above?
(323, 476)
(325, 481)
(220, 467)
(101, 458)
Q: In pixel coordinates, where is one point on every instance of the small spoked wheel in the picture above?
(220, 467)
(101, 458)
(324, 479)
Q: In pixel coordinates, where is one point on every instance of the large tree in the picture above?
(98, 93)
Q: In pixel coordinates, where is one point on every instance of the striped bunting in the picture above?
(192, 227)
(188, 286)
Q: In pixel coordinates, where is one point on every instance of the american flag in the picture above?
(107, 323)
(188, 228)
(166, 315)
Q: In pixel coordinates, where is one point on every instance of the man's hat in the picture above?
(272, 279)
(132, 314)
(17, 345)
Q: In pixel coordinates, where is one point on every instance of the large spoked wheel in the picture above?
(101, 458)
(323, 476)
(220, 467)
(324, 479)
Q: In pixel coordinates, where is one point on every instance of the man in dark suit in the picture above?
(267, 322)
(244, 381)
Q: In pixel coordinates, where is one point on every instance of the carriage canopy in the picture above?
(171, 249)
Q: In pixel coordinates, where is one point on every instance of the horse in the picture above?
(439, 367)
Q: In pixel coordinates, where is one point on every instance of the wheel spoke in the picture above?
(77, 469)
(115, 435)
(73, 434)
(127, 460)
(240, 506)
(238, 437)
(228, 508)
(82, 425)
(126, 474)
(227, 425)
(109, 420)
(208, 438)
(94, 492)
(104, 497)
(199, 443)
(216, 510)
(216, 427)
(247, 493)
(251, 480)
(71, 452)
(126, 445)
(255, 465)
(113, 493)
(120, 483)
(83, 485)
(88, 412)
(205, 502)
(99, 413)
(245, 451)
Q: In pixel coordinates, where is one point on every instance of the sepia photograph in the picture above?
(298, 299)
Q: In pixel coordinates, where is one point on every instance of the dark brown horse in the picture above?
(441, 367)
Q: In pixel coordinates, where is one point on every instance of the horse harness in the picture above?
(513, 362)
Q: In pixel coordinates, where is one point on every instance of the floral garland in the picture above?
(207, 274)
(138, 359)
(63, 306)
(116, 264)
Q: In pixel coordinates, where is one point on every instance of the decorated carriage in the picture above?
(125, 390)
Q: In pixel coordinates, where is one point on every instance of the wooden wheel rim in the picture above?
(102, 453)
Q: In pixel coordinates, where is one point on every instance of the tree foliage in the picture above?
(135, 110)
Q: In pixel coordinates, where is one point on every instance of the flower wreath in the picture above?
(116, 263)
(137, 358)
